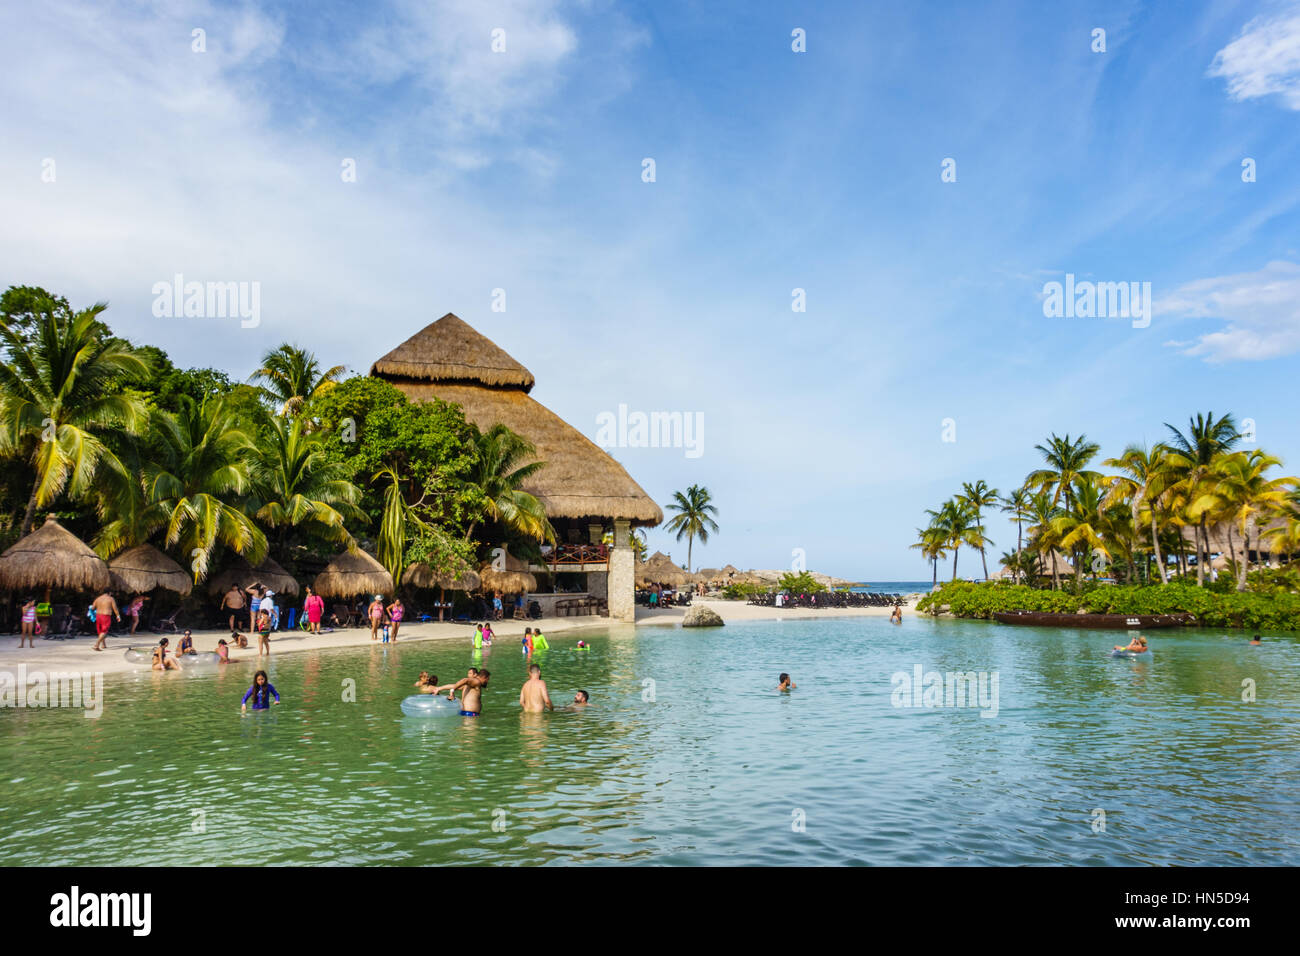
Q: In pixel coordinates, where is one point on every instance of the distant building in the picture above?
(586, 493)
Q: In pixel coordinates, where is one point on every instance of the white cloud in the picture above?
(1264, 60)
(1262, 310)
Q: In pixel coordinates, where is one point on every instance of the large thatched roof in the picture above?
(144, 567)
(420, 575)
(659, 569)
(240, 573)
(351, 573)
(450, 351)
(1219, 536)
(450, 361)
(52, 557)
(507, 582)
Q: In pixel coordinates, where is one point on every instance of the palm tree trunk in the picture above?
(1056, 576)
(1202, 558)
(934, 581)
(31, 509)
(1155, 543)
(690, 543)
(1244, 568)
(1019, 550)
(954, 563)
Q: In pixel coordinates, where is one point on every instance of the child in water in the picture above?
(262, 691)
(786, 684)
(487, 635)
(223, 651)
(528, 642)
(478, 637)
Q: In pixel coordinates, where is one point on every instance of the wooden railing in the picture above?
(570, 554)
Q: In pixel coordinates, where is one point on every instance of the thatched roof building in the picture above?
(450, 361)
(351, 573)
(52, 557)
(420, 575)
(241, 574)
(143, 568)
(659, 569)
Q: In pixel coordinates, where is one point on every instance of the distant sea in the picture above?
(893, 587)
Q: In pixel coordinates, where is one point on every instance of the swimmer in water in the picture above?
(426, 684)
(478, 637)
(471, 688)
(223, 651)
(786, 683)
(187, 645)
(581, 699)
(539, 641)
(533, 696)
(487, 635)
(262, 691)
(896, 616)
(1256, 642)
(528, 642)
(473, 672)
(1137, 645)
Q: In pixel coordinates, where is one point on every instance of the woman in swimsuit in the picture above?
(376, 615)
(137, 604)
(187, 645)
(29, 623)
(160, 660)
(1137, 645)
(223, 651)
(396, 611)
(262, 691)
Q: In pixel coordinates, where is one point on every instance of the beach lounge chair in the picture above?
(167, 625)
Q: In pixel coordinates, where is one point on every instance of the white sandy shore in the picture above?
(76, 655)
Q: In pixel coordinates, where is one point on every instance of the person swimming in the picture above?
(583, 646)
(1255, 642)
(1137, 645)
(426, 684)
(262, 691)
(471, 687)
(896, 616)
(785, 683)
(539, 641)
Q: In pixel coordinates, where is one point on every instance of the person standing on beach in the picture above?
(396, 611)
(533, 696)
(471, 697)
(314, 608)
(29, 623)
(376, 614)
(234, 602)
(104, 606)
(254, 592)
(136, 606)
(497, 611)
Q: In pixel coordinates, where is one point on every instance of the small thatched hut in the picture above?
(420, 575)
(351, 573)
(141, 569)
(585, 492)
(241, 574)
(659, 569)
(52, 557)
(507, 581)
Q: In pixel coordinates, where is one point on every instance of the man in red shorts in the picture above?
(104, 605)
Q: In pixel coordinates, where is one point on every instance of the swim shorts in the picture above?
(102, 623)
(468, 713)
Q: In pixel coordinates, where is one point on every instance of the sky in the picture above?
(920, 171)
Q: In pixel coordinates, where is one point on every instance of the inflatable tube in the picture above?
(202, 659)
(428, 705)
(1130, 653)
(134, 655)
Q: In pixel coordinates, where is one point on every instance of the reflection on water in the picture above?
(687, 755)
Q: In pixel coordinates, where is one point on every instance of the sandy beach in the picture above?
(77, 655)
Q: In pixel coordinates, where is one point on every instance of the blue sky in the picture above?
(775, 170)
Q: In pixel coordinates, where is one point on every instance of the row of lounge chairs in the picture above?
(831, 599)
(679, 599)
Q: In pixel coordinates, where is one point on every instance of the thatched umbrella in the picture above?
(507, 581)
(52, 557)
(661, 570)
(420, 575)
(351, 573)
(143, 568)
(241, 574)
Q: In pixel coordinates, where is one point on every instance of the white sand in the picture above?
(76, 654)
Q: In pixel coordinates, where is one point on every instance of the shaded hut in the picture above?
(585, 492)
(52, 557)
(241, 574)
(659, 569)
(506, 581)
(143, 568)
(420, 575)
(351, 573)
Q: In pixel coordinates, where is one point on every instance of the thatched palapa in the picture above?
(420, 575)
(448, 360)
(659, 569)
(240, 573)
(52, 557)
(351, 573)
(143, 568)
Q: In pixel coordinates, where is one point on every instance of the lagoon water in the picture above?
(687, 756)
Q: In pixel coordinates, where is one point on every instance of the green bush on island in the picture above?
(743, 591)
(1278, 610)
(801, 583)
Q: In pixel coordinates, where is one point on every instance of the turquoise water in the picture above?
(705, 765)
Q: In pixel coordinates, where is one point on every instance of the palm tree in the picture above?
(1042, 512)
(979, 496)
(293, 377)
(1067, 463)
(196, 481)
(1146, 476)
(931, 544)
(1238, 492)
(1079, 527)
(955, 522)
(55, 390)
(499, 471)
(693, 519)
(1016, 504)
(1191, 457)
(298, 485)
